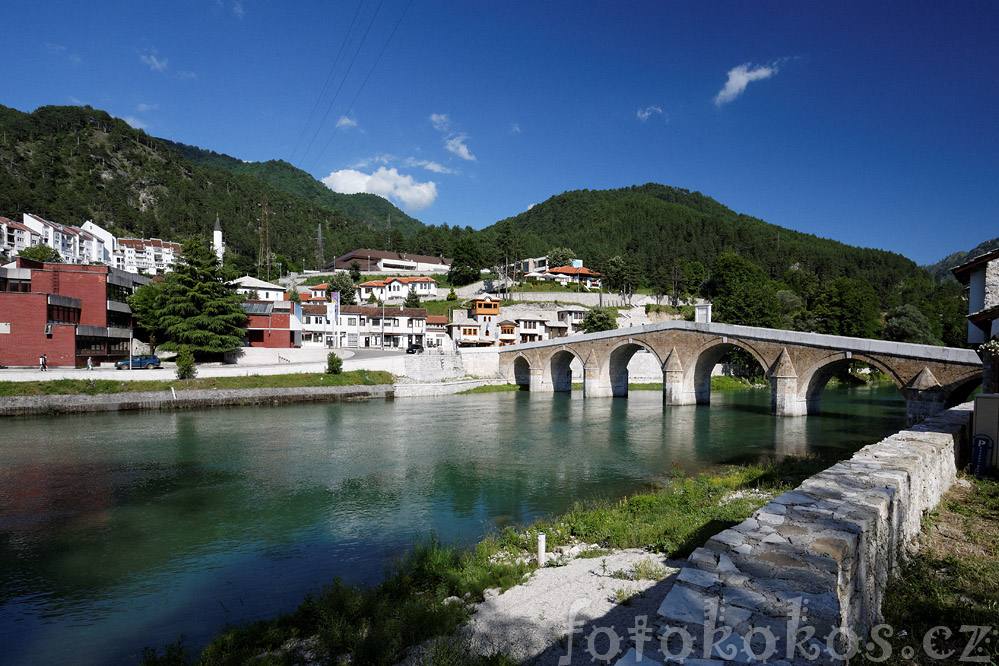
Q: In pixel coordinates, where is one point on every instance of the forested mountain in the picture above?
(373, 210)
(669, 239)
(941, 269)
(71, 164)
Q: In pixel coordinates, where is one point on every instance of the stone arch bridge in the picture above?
(798, 365)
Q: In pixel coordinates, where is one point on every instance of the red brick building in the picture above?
(67, 311)
(273, 324)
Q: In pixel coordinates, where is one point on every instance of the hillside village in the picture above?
(74, 307)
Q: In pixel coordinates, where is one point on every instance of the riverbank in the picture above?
(432, 589)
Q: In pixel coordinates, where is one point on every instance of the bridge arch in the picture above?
(615, 369)
(521, 371)
(558, 370)
(813, 380)
(697, 380)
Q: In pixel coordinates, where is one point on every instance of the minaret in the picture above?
(217, 239)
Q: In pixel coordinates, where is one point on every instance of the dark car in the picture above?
(414, 348)
(146, 361)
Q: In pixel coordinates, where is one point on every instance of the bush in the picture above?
(334, 364)
(451, 296)
(185, 363)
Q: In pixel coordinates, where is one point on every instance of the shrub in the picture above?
(334, 364)
(185, 363)
(451, 296)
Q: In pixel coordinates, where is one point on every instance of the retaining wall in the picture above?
(820, 556)
(199, 399)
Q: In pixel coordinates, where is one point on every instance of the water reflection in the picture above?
(113, 537)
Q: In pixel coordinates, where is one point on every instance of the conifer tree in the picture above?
(199, 309)
(412, 298)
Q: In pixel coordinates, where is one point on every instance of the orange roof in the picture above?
(573, 270)
(403, 280)
(436, 319)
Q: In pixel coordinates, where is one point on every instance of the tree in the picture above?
(147, 308)
(412, 298)
(342, 283)
(560, 256)
(599, 319)
(355, 271)
(848, 307)
(622, 276)
(907, 324)
(199, 310)
(742, 293)
(41, 253)
(467, 261)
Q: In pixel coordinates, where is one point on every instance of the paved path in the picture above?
(374, 359)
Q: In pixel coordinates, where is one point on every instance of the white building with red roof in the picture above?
(397, 288)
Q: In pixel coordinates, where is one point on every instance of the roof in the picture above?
(389, 311)
(362, 256)
(437, 319)
(250, 282)
(142, 243)
(573, 270)
(507, 322)
(319, 287)
(963, 272)
(984, 316)
(556, 324)
(314, 309)
(257, 307)
(404, 280)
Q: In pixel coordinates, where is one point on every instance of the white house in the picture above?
(319, 323)
(393, 327)
(391, 262)
(397, 288)
(258, 290)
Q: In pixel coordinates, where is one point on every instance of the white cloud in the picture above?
(388, 183)
(143, 108)
(456, 144)
(346, 123)
(237, 10)
(154, 63)
(428, 165)
(75, 59)
(440, 121)
(515, 128)
(135, 122)
(740, 77)
(187, 75)
(648, 112)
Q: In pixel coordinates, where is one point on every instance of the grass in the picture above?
(376, 626)
(111, 386)
(953, 582)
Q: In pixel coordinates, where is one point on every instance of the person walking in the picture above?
(45, 362)
(90, 363)
(41, 363)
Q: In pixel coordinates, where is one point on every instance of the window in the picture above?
(59, 314)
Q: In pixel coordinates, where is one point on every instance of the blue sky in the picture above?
(873, 123)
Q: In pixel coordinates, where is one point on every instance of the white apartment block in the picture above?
(15, 237)
(397, 288)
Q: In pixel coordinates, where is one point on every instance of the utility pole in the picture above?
(264, 254)
(320, 260)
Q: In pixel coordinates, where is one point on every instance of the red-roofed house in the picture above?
(397, 288)
(587, 277)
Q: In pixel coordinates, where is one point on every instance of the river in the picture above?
(119, 531)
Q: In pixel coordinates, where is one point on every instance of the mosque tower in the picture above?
(217, 239)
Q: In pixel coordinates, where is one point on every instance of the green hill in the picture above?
(941, 269)
(371, 209)
(71, 164)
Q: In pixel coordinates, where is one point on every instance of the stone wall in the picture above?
(818, 557)
(199, 399)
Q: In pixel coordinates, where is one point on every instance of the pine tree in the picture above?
(412, 298)
(199, 309)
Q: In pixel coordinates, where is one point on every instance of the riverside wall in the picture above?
(194, 399)
(818, 557)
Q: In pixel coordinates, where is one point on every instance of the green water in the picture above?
(121, 531)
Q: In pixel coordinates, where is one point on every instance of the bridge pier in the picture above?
(921, 404)
(784, 399)
(595, 386)
(537, 382)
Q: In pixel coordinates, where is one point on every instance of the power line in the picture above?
(343, 81)
(329, 77)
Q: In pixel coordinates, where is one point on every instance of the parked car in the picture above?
(145, 361)
(414, 348)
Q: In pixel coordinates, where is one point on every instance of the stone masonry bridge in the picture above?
(798, 365)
